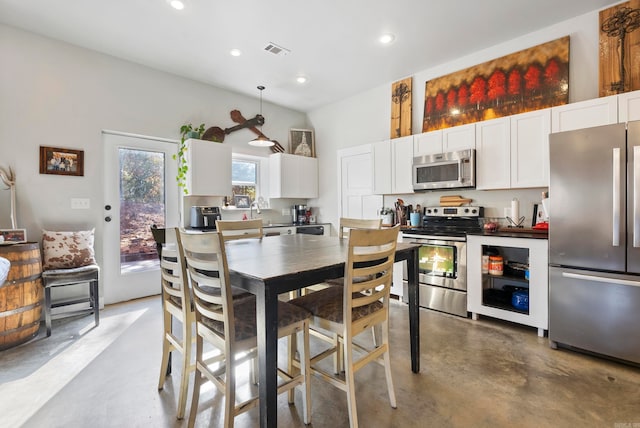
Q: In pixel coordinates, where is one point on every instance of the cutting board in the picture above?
(453, 201)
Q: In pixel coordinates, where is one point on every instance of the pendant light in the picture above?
(261, 141)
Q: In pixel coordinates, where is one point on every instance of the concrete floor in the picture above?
(474, 374)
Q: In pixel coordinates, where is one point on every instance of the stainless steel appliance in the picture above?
(299, 214)
(445, 170)
(310, 230)
(443, 256)
(204, 217)
(594, 240)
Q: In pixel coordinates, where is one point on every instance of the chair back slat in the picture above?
(242, 229)
(173, 271)
(347, 224)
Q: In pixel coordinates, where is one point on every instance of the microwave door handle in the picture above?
(616, 197)
(460, 166)
(636, 196)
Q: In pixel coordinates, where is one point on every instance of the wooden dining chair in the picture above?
(176, 306)
(230, 326)
(348, 311)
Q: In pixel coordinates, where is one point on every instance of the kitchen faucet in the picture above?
(251, 209)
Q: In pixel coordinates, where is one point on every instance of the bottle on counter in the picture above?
(485, 263)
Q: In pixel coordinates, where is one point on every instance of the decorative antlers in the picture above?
(9, 180)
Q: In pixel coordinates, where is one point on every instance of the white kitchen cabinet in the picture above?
(461, 137)
(392, 160)
(209, 170)
(513, 151)
(292, 176)
(485, 293)
(427, 143)
(445, 140)
(530, 149)
(493, 154)
(585, 114)
(628, 106)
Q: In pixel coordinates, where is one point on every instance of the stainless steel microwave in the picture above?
(445, 170)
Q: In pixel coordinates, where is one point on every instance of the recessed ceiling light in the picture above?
(387, 38)
(176, 4)
(235, 52)
(301, 79)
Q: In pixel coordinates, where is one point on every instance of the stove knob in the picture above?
(466, 210)
(435, 210)
(474, 211)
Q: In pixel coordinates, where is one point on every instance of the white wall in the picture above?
(366, 117)
(59, 95)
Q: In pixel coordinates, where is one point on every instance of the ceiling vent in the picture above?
(276, 50)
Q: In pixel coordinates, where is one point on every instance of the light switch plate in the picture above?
(80, 203)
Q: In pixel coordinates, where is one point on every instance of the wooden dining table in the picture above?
(279, 264)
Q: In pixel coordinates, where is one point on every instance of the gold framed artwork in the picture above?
(55, 160)
(619, 65)
(531, 79)
(401, 108)
(302, 142)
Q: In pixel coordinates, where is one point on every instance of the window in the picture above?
(244, 177)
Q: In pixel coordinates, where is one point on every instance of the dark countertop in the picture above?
(507, 233)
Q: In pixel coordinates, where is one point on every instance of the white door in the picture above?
(140, 190)
(356, 183)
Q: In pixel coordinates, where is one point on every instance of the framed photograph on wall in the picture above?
(242, 201)
(55, 160)
(12, 236)
(302, 142)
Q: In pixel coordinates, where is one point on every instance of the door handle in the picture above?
(600, 279)
(636, 196)
(616, 197)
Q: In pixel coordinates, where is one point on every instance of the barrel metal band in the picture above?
(20, 310)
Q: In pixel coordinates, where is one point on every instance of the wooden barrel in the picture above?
(21, 296)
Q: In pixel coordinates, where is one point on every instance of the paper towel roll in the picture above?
(515, 210)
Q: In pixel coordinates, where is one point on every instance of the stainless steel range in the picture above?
(443, 256)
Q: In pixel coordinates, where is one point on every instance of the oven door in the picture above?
(442, 261)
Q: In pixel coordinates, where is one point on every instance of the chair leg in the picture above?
(166, 349)
(47, 309)
(349, 377)
(292, 346)
(230, 392)
(387, 364)
(186, 364)
(305, 360)
(95, 301)
(197, 383)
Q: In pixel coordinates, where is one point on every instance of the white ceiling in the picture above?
(332, 42)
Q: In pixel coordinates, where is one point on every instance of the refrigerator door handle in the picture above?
(616, 197)
(600, 279)
(636, 196)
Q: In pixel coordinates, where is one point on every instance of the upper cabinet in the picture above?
(293, 176)
(445, 140)
(629, 106)
(392, 160)
(513, 151)
(585, 114)
(209, 170)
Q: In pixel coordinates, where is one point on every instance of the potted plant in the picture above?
(186, 131)
(387, 216)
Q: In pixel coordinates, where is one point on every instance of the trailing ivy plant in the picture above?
(186, 131)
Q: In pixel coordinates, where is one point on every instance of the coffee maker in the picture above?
(299, 214)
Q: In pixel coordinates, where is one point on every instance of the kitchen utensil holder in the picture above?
(517, 223)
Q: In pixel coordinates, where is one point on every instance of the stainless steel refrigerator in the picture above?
(594, 240)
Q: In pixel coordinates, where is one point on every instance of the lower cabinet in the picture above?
(519, 291)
